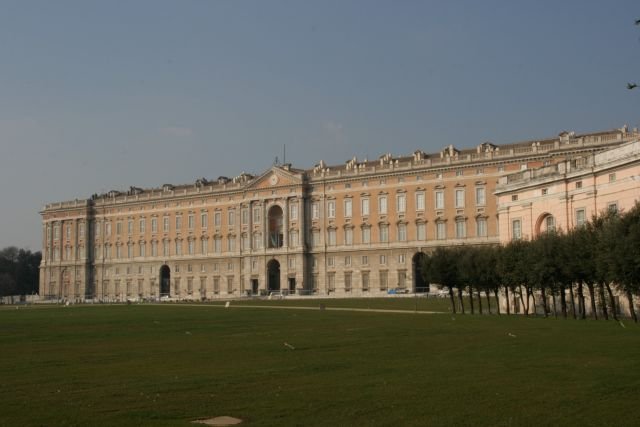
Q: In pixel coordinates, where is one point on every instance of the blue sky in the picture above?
(102, 95)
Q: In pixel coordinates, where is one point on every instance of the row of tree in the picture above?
(19, 271)
(601, 258)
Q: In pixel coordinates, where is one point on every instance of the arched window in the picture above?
(275, 227)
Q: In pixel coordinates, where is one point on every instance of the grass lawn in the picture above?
(169, 364)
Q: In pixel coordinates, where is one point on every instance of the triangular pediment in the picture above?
(275, 177)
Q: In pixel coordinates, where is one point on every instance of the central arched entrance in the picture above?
(419, 284)
(273, 276)
(165, 281)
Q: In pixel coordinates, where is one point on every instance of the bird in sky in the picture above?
(631, 85)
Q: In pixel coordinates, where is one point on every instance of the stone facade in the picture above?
(355, 229)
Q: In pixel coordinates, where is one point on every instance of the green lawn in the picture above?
(166, 365)
(411, 303)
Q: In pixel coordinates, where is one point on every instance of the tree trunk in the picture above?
(614, 308)
(506, 298)
(555, 307)
(479, 301)
(495, 293)
(544, 301)
(453, 302)
(461, 302)
(592, 296)
(533, 298)
(573, 301)
(471, 299)
(603, 301)
(516, 309)
(632, 311)
(583, 314)
(563, 301)
(486, 294)
(525, 307)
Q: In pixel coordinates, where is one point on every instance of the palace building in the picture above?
(355, 229)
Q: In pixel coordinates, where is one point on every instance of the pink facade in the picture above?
(567, 194)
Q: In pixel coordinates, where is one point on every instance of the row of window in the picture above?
(364, 285)
(401, 203)
(402, 234)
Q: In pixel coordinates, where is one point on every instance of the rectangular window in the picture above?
(401, 203)
(347, 261)
(366, 235)
(578, 184)
(191, 222)
(581, 217)
(439, 199)
(81, 230)
(420, 205)
(364, 260)
(165, 248)
(165, 224)
(331, 261)
(143, 249)
(217, 244)
(612, 177)
(293, 211)
(384, 234)
(459, 173)
(461, 229)
(331, 209)
(293, 238)
(154, 248)
(514, 198)
(231, 217)
(365, 281)
(384, 275)
(459, 198)
(421, 231)
(217, 219)
(178, 222)
(244, 216)
(315, 237)
(382, 205)
(315, 210)
(130, 226)
(348, 236)
(119, 227)
(231, 243)
(402, 232)
(481, 227)
(141, 225)
(401, 259)
(216, 285)
(331, 237)
(154, 225)
(516, 229)
(480, 196)
(364, 207)
(613, 207)
(347, 281)
(441, 230)
(402, 279)
(204, 220)
(348, 208)
(230, 284)
(118, 251)
(192, 247)
(383, 260)
(331, 282)
(178, 247)
(204, 246)
(544, 191)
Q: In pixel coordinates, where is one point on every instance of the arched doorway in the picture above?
(275, 227)
(273, 275)
(419, 284)
(165, 281)
(546, 223)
